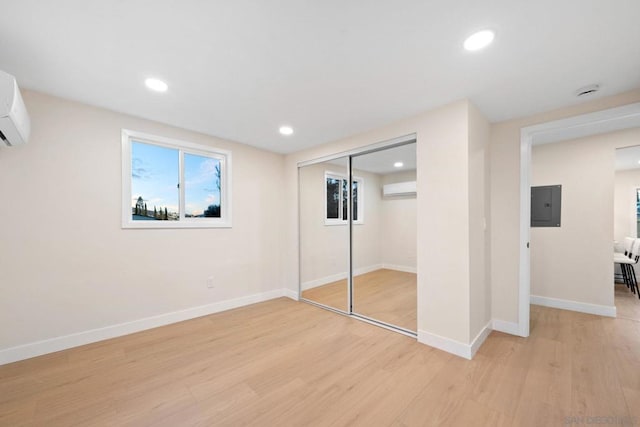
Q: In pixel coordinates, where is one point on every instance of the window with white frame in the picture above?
(337, 199)
(174, 184)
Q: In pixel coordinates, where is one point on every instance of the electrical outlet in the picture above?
(210, 282)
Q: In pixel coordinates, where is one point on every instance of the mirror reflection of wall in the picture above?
(324, 233)
(384, 246)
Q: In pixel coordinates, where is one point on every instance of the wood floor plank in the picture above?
(510, 372)
(287, 363)
(442, 398)
(596, 387)
(471, 413)
(394, 396)
(632, 397)
(548, 382)
(16, 412)
(626, 303)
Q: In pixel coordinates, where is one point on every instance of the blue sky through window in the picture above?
(201, 184)
(155, 178)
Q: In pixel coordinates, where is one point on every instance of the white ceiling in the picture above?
(240, 69)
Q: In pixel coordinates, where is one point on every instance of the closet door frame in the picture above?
(349, 154)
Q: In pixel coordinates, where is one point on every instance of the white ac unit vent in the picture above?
(15, 125)
(399, 189)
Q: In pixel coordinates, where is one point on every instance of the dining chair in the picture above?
(627, 246)
(627, 263)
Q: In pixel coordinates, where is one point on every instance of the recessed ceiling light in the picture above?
(639, 162)
(398, 164)
(479, 40)
(286, 130)
(156, 84)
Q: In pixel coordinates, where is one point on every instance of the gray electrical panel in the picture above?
(545, 206)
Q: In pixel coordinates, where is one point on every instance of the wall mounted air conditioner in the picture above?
(15, 125)
(399, 189)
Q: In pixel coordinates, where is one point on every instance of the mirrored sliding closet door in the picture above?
(383, 239)
(324, 233)
(358, 234)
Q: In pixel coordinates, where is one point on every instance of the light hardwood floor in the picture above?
(285, 363)
(386, 295)
(627, 304)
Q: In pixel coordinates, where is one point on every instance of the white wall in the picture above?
(480, 281)
(505, 196)
(66, 266)
(624, 212)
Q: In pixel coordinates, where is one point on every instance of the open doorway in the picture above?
(569, 129)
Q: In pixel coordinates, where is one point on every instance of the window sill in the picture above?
(175, 224)
(331, 223)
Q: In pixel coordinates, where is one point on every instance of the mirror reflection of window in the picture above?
(337, 199)
(333, 197)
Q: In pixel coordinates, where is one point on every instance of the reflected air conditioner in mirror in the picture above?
(399, 189)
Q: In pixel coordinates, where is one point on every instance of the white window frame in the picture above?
(340, 221)
(183, 147)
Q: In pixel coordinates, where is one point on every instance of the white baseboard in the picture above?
(404, 268)
(323, 281)
(506, 327)
(458, 348)
(480, 338)
(444, 344)
(340, 276)
(365, 270)
(39, 348)
(290, 293)
(582, 307)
